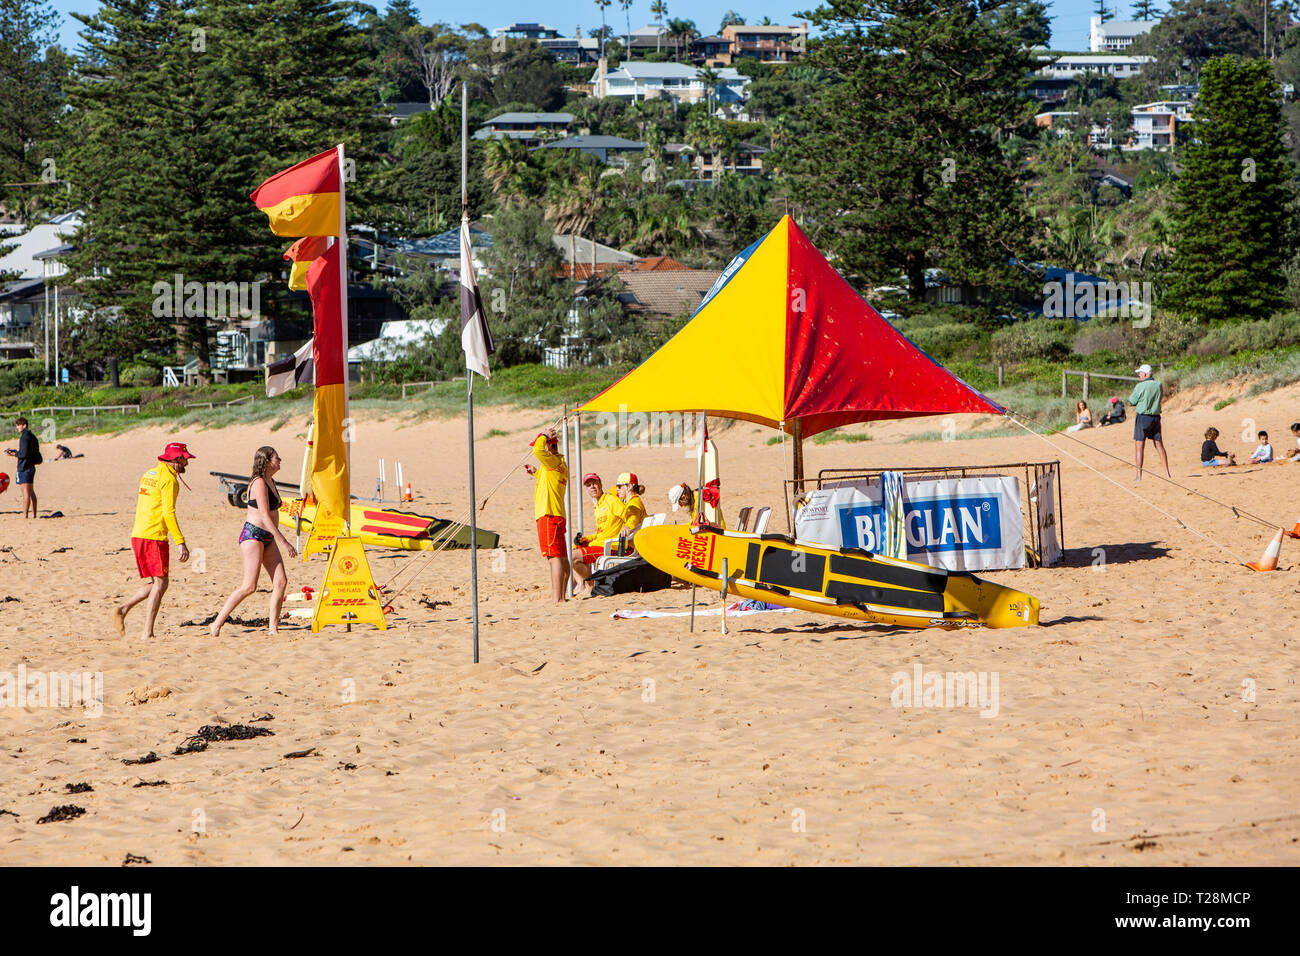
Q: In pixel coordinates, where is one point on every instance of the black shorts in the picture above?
(1146, 426)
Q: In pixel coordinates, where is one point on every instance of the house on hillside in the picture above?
(1115, 35)
(640, 81)
(665, 294)
(769, 44)
(397, 113)
(530, 128)
(526, 31)
(31, 300)
(599, 146)
(575, 49)
(1159, 126)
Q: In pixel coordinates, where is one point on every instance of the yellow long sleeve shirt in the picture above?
(609, 518)
(155, 506)
(552, 480)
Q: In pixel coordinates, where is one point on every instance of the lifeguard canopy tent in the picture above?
(781, 339)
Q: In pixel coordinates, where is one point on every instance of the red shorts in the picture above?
(591, 552)
(151, 557)
(550, 536)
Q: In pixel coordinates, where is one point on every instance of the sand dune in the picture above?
(1121, 734)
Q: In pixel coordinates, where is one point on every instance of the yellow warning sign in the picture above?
(348, 594)
(326, 527)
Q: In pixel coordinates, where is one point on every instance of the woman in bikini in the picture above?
(259, 541)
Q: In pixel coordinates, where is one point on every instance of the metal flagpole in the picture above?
(469, 373)
(343, 317)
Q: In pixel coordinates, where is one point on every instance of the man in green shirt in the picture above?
(1146, 401)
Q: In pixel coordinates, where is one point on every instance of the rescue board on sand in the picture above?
(385, 528)
(851, 583)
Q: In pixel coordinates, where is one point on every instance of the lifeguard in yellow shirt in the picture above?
(552, 476)
(609, 522)
(155, 519)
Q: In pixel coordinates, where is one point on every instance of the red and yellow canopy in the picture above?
(782, 337)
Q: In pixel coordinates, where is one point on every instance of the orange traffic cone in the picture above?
(1268, 562)
(1293, 533)
(406, 495)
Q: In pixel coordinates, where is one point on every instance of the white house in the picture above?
(1116, 35)
(640, 80)
(1073, 65)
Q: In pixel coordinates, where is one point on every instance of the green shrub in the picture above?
(19, 375)
(1046, 339)
(944, 342)
(139, 374)
(1230, 338)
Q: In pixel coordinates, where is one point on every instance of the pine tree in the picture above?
(1106, 13)
(900, 168)
(1144, 10)
(1235, 200)
(31, 73)
(180, 110)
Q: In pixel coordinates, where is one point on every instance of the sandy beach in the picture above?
(1121, 735)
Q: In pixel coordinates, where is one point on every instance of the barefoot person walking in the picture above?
(155, 518)
(260, 542)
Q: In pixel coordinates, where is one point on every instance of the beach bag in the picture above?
(37, 458)
(637, 575)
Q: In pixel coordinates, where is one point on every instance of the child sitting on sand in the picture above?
(1211, 452)
(1264, 453)
(1295, 455)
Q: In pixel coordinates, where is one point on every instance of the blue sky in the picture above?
(1069, 17)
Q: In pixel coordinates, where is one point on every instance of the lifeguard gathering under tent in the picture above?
(799, 350)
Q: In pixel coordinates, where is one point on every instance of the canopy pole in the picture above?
(796, 435)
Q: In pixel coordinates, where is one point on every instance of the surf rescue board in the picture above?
(385, 528)
(851, 583)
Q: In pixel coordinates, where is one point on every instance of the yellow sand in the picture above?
(1121, 733)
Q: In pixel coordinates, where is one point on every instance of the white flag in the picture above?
(475, 336)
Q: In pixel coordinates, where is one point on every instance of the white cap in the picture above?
(675, 496)
(1143, 370)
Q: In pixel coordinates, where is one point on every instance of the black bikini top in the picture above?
(275, 503)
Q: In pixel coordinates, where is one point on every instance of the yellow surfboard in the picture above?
(851, 583)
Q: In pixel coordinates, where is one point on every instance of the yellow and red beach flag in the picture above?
(302, 254)
(329, 473)
(304, 199)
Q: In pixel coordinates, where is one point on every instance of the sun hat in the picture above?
(627, 478)
(590, 476)
(1114, 400)
(175, 450)
(675, 496)
(1143, 370)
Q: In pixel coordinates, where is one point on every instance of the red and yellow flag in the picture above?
(302, 254)
(329, 473)
(304, 199)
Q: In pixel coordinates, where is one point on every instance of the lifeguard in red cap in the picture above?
(609, 522)
(155, 518)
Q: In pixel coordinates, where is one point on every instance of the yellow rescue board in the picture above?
(851, 583)
(385, 528)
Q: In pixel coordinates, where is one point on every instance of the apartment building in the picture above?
(1157, 125)
(770, 44)
(639, 80)
(531, 128)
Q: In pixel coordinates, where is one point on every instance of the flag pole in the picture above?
(469, 372)
(343, 317)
